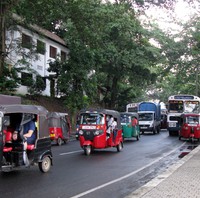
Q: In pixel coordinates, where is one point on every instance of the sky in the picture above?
(182, 12)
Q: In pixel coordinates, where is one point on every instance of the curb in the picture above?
(157, 180)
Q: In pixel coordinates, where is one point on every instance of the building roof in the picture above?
(42, 31)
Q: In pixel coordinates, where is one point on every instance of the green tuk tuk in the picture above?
(130, 125)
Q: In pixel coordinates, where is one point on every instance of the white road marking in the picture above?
(125, 176)
(72, 152)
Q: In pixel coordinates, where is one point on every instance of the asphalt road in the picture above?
(105, 173)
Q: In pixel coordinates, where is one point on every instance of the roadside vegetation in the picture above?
(115, 57)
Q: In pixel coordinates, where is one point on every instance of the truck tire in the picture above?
(170, 133)
(158, 129)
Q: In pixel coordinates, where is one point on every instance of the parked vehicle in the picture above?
(190, 126)
(149, 117)
(96, 132)
(130, 125)
(11, 153)
(59, 127)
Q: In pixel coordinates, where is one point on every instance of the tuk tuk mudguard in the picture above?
(43, 148)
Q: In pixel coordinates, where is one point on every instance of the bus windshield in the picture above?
(192, 106)
(176, 106)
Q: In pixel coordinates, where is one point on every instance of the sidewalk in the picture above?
(181, 180)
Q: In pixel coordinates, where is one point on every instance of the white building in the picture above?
(47, 45)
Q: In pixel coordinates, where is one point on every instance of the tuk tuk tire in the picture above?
(179, 138)
(59, 141)
(87, 150)
(45, 164)
(119, 147)
(138, 137)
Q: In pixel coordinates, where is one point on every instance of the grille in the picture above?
(88, 135)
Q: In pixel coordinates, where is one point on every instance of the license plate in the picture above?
(172, 124)
(88, 127)
(143, 127)
(52, 135)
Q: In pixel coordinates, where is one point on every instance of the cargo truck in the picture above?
(149, 117)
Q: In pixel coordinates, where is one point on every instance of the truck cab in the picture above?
(149, 117)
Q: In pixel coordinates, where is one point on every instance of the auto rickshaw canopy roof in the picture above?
(40, 111)
(57, 114)
(33, 109)
(190, 114)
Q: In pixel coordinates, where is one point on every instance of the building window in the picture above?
(39, 67)
(26, 79)
(53, 52)
(41, 47)
(63, 56)
(26, 41)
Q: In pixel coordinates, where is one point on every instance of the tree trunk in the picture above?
(2, 38)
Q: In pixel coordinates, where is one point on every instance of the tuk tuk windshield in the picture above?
(145, 116)
(91, 118)
(192, 120)
(125, 118)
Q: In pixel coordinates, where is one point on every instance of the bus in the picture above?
(178, 104)
(132, 107)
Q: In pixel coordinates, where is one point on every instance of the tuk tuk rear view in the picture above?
(23, 150)
(59, 127)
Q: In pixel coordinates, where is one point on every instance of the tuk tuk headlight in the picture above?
(98, 132)
(80, 132)
(186, 128)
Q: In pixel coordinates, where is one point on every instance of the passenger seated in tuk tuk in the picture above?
(29, 137)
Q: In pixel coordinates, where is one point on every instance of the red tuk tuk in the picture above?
(190, 126)
(12, 152)
(59, 127)
(95, 132)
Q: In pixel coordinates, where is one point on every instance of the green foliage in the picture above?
(36, 86)
(9, 81)
(108, 38)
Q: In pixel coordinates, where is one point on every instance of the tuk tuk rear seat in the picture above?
(30, 147)
(7, 149)
(8, 138)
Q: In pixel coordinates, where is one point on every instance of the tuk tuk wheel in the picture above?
(119, 147)
(138, 137)
(45, 165)
(59, 141)
(87, 150)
